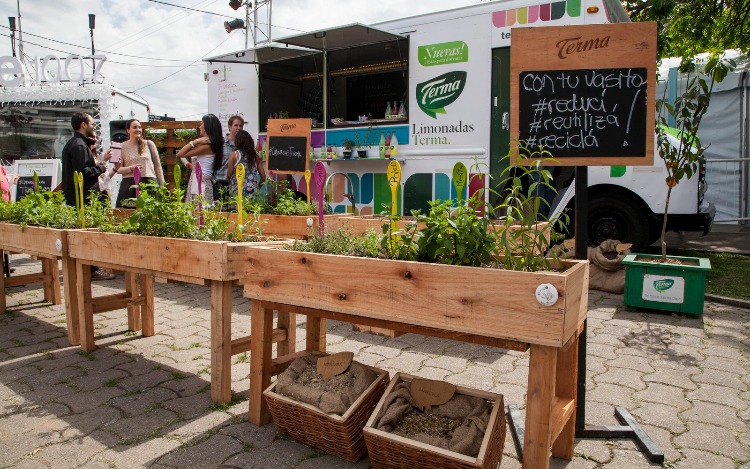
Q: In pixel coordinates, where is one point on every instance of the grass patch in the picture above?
(236, 399)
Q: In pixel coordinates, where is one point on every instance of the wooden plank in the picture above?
(102, 304)
(487, 302)
(190, 258)
(54, 273)
(281, 363)
(221, 342)
(85, 306)
(70, 292)
(33, 240)
(133, 292)
(315, 334)
(3, 304)
(403, 327)
(540, 394)
(244, 344)
(26, 279)
(578, 300)
(564, 421)
(261, 324)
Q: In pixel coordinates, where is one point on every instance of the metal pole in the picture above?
(20, 31)
(247, 22)
(92, 25)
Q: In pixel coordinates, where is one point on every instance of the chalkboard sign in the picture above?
(584, 93)
(25, 185)
(287, 154)
(579, 113)
(288, 146)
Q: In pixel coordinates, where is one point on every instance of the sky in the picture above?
(156, 50)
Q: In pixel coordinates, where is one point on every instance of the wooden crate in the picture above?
(33, 240)
(472, 300)
(390, 451)
(339, 435)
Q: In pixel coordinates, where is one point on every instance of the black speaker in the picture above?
(117, 131)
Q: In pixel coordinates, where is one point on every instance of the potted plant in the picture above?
(348, 147)
(362, 142)
(664, 282)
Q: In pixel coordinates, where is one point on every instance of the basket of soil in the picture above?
(456, 427)
(326, 404)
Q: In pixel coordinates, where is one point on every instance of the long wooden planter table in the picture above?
(48, 245)
(484, 306)
(218, 264)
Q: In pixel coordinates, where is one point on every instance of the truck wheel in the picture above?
(618, 218)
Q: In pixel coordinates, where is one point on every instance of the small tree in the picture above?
(686, 158)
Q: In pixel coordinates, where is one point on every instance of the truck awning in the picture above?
(342, 37)
(263, 54)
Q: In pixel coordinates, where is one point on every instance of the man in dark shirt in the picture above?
(77, 156)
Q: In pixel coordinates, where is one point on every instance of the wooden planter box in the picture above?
(487, 302)
(339, 435)
(391, 451)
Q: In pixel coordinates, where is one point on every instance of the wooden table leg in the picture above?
(85, 306)
(566, 387)
(261, 331)
(70, 290)
(147, 310)
(539, 401)
(221, 342)
(288, 322)
(315, 335)
(134, 312)
(46, 280)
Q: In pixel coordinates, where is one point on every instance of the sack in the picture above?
(606, 270)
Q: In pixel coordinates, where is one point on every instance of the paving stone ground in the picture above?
(145, 402)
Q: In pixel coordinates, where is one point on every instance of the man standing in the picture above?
(77, 156)
(221, 177)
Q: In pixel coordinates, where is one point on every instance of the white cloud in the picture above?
(145, 28)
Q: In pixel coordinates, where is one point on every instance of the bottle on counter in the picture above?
(388, 111)
(394, 146)
(381, 146)
(402, 109)
(388, 145)
(329, 152)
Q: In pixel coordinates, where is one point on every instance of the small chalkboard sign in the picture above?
(587, 112)
(288, 146)
(48, 173)
(585, 94)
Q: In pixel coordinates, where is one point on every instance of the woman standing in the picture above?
(245, 153)
(207, 150)
(137, 152)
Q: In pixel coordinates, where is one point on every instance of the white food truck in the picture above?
(438, 86)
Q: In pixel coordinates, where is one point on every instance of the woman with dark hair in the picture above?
(207, 150)
(137, 152)
(245, 153)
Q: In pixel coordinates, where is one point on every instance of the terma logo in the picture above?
(435, 94)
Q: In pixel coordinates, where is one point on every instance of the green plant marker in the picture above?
(177, 176)
(240, 174)
(307, 183)
(394, 181)
(617, 171)
(75, 190)
(459, 180)
(81, 216)
(36, 182)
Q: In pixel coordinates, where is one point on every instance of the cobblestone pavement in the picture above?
(145, 402)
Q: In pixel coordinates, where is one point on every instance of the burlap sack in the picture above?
(330, 402)
(606, 270)
(467, 439)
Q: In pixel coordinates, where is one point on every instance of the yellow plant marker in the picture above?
(459, 180)
(307, 182)
(75, 190)
(240, 174)
(394, 181)
(177, 176)
(81, 216)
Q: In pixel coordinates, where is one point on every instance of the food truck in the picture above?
(433, 90)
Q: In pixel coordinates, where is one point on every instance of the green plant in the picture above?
(686, 157)
(363, 141)
(341, 242)
(48, 209)
(348, 144)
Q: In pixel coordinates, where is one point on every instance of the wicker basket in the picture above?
(337, 435)
(392, 451)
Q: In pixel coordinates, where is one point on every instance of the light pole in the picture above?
(92, 25)
(12, 21)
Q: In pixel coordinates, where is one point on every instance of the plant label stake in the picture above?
(78, 180)
(240, 175)
(320, 179)
(199, 179)
(36, 182)
(136, 179)
(429, 392)
(177, 177)
(459, 180)
(307, 183)
(333, 365)
(394, 181)
(271, 177)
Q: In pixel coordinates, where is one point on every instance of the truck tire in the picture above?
(620, 218)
